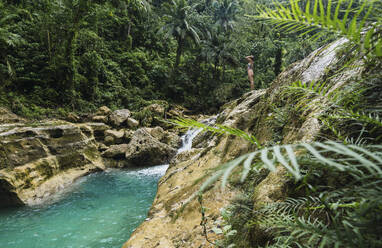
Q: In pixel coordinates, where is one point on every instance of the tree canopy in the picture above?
(77, 55)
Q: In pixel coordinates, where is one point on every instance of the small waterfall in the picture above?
(187, 139)
(186, 146)
(191, 134)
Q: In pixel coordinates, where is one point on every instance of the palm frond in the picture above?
(316, 17)
(216, 129)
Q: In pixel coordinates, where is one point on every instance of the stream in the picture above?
(100, 210)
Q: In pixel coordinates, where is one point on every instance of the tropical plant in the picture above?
(225, 12)
(313, 17)
(343, 103)
(180, 26)
(342, 182)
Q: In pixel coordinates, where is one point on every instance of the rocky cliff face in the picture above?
(39, 159)
(172, 223)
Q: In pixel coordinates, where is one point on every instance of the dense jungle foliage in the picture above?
(77, 55)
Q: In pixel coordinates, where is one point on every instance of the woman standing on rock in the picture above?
(250, 70)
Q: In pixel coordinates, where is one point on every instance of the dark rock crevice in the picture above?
(8, 198)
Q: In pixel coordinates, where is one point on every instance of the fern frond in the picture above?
(317, 17)
(217, 129)
(350, 158)
(346, 158)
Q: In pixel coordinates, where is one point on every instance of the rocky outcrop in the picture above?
(38, 161)
(8, 117)
(119, 117)
(174, 219)
(146, 150)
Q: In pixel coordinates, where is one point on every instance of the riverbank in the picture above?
(38, 159)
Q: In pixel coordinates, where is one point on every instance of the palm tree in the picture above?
(8, 40)
(218, 50)
(180, 26)
(225, 14)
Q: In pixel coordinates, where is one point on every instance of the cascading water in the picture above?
(187, 139)
(191, 134)
(99, 211)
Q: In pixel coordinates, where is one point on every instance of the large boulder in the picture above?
(103, 111)
(119, 117)
(7, 116)
(116, 134)
(146, 150)
(166, 137)
(172, 139)
(115, 151)
(132, 123)
(100, 118)
(157, 132)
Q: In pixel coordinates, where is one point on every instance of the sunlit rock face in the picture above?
(172, 222)
(7, 117)
(39, 159)
(146, 150)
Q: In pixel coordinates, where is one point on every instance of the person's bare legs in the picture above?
(250, 77)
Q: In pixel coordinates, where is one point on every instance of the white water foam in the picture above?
(160, 170)
(187, 140)
(191, 134)
(151, 171)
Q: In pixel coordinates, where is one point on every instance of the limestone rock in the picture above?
(116, 134)
(103, 111)
(7, 116)
(8, 197)
(98, 130)
(109, 140)
(118, 117)
(128, 134)
(184, 156)
(100, 118)
(145, 150)
(35, 161)
(115, 151)
(157, 132)
(166, 137)
(132, 123)
(102, 147)
(156, 109)
(171, 139)
(73, 117)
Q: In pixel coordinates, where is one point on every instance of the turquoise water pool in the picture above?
(98, 211)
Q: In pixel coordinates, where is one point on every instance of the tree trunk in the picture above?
(278, 61)
(223, 76)
(70, 73)
(179, 51)
(216, 76)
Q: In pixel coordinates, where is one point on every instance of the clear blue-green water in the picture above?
(99, 211)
